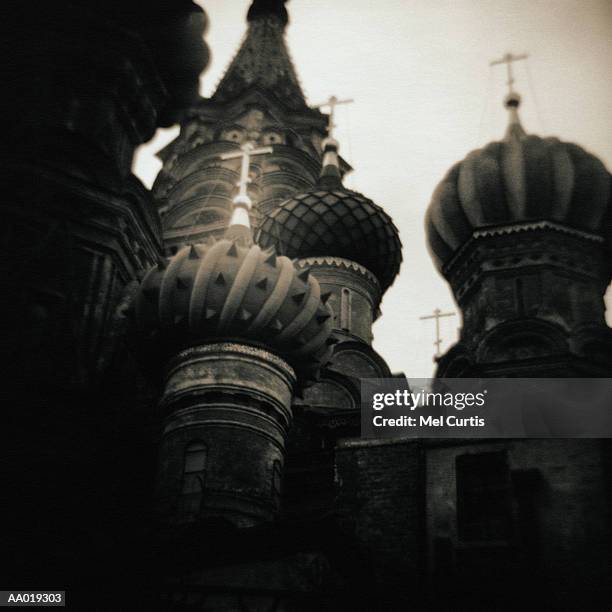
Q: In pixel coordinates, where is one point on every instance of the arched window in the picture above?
(345, 310)
(194, 468)
(277, 479)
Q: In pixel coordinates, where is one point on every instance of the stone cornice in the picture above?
(246, 350)
(208, 108)
(536, 225)
(515, 228)
(338, 262)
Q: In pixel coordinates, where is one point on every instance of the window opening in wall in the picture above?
(194, 467)
(484, 497)
(345, 310)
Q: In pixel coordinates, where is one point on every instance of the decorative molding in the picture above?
(338, 262)
(234, 347)
(515, 228)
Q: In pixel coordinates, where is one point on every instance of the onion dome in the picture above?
(232, 289)
(522, 179)
(225, 290)
(334, 221)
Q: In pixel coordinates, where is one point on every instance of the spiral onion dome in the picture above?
(335, 223)
(522, 179)
(223, 290)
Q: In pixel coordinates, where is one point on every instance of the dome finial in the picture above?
(512, 100)
(330, 171)
(262, 8)
(240, 224)
(330, 177)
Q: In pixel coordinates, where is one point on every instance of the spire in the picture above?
(512, 101)
(263, 60)
(331, 177)
(239, 228)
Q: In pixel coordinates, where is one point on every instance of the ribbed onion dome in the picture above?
(226, 290)
(520, 179)
(334, 221)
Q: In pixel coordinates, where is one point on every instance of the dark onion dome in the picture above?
(228, 290)
(523, 178)
(334, 221)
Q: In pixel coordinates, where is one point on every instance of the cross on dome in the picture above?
(513, 99)
(508, 59)
(239, 228)
(331, 103)
(437, 315)
(242, 201)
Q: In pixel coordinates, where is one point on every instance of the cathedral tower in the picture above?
(352, 246)
(258, 100)
(521, 231)
(238, 327)
(263, 344)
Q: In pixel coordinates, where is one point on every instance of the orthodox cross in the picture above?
(437, 315)
(508, 59)
(247, 150)
(332, 103)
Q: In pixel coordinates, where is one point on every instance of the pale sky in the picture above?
(424, 97)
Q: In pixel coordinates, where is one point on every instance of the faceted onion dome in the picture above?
(523, 178)
(225, 290)
(333, 221)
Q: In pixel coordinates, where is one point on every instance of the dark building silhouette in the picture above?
(182, 384)
(88, 83)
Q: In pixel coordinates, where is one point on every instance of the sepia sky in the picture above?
(424, 97)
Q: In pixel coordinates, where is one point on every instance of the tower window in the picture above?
(520, 297)
(484, 497)
(194, 468)
(345, 309)
(277, 479)
(232, 135)
(272, 138)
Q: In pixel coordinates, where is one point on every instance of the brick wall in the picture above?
(380, 501)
